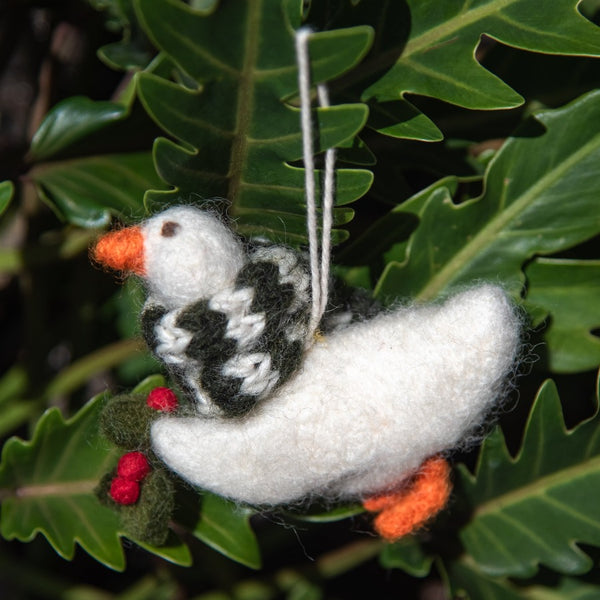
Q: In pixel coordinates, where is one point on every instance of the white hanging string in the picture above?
(319, 266)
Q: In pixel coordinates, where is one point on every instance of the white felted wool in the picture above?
(228, 320)
(194, 258)
(369, 405)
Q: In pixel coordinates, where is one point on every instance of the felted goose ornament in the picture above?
(364, 412)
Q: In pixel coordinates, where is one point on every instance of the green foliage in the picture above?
(71, 121)
(521, 213)
(226, 528)
(87, 190)
(532, 509)
(437, 57)
(48, 486)
(468, 582)
(240, 133)
(408, 555)
(50, 480)
(568, 290)
(468, 141)
(134, 49)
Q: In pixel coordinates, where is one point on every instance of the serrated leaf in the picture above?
(567, 588)
(134, 50)
(389, 235)
(568, 290)
(533, 508)
(173, 550)
(438, 57)
(540, 197)
(7, 190)
(468, 582)
(225, 527)
(70, 121)
(237, 133)
(47, 485)
(124, 55)
(401, 119)
(89, 191)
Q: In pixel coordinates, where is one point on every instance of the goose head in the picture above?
(184, 254)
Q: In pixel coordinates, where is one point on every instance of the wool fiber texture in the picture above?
(188, 254)
(125, 421)
(234, 348)
(404, 511)
(147, 519)
(229, 321)
(371, 402)
(133, 466)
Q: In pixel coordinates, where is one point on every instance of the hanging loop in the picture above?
(320, 257)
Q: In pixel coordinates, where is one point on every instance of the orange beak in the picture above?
(122, 250)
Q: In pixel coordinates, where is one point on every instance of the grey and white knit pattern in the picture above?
(235, 348)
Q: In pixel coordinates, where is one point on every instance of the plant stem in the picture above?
(60, 488)
(75, 375)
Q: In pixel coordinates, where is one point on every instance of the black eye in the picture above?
(169, 229)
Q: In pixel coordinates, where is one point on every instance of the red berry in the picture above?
(133, 466)
(124, 491)
(163, 399)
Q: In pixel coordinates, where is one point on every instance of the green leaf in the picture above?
(401, 119)
(70, 121)
(533, 508)
(237, 132)
(568, 290)
(7, 190)
(47, 486)
(134, 50)
(438, 58)
(540, 197)
(148, 384)
(567, 588)
(407, 554)
(225, 527)
(388, 236)
(124, 55)
(173, 550)
(319, 515)
(88, 191)
(12, 384)
(468, 582)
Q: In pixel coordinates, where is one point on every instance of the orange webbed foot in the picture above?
(404, 511)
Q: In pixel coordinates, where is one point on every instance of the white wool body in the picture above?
(370, 404)
(199, 257)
